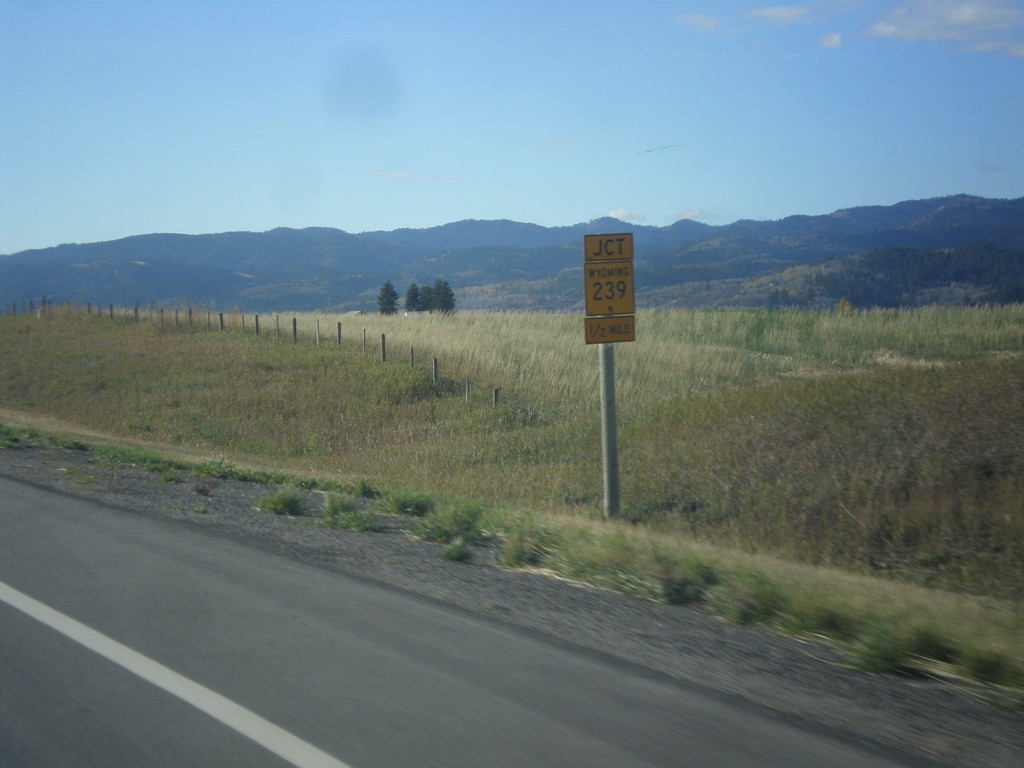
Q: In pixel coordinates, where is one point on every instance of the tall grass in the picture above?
(910, 472)
(683, 353)
(879, 441)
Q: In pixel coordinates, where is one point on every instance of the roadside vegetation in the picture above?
(856, 475)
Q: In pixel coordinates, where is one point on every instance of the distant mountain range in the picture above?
(943, 250)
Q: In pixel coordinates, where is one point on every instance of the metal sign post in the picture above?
(609, 440)
(609, 301)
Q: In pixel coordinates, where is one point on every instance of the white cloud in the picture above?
(835, 40)
(979, 24)
(623, 214)
(987, 46)
(699, 21)
(694, 214)
(782, 14)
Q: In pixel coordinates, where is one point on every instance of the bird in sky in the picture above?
(658, 149)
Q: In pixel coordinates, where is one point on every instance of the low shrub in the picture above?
(750, 598)
(879, 650)
(10, 437)
(683, 581)
(407, 503)
(348, 513)
(990, 667)
(526, 542)
(820, 618)
(458, 551)
(930, 644)
(612, 559)
(284, 502)
(451, 522)
(365, 490)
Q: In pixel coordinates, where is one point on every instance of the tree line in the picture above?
(894, 276)
(438, 297)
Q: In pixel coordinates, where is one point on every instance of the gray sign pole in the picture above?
(609, 445)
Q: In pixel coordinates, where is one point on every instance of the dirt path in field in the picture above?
(929, 719)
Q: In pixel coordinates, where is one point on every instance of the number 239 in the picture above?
(609, 290)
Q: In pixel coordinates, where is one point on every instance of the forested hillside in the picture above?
(944, 250)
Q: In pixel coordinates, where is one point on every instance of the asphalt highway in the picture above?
(126, 640)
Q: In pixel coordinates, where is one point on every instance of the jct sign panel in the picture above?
(608, 330)
(609, 287)
(608, 247)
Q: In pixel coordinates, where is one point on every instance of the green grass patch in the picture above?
(748, 598)
(452, 522)
(11, 437)
(458, 550)
(145, 459)
(285, 502)
(412, 503)
(349, 513)
(527, 541)
(878, 649)
(365, 489)
(990, 666)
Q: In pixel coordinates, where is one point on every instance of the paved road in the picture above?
(126, 640)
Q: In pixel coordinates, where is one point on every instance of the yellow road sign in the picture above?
(608, 247)
(608, 330)
(608, 288)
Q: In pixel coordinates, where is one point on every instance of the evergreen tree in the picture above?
(387, 299)
(426, 298)
(412, 299)
(442, 298)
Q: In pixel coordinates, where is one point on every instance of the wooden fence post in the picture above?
(295, 330)
(383, 349)
(467, 389)
(257, 320)
(495, 396)
(339, 333)
(318, 331)
(433, 373)
(222, 321)
(412, 357)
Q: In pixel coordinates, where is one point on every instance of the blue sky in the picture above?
(123, 118)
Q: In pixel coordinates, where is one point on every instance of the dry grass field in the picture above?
(855, 474)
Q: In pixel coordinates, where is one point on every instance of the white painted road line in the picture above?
(272, 737)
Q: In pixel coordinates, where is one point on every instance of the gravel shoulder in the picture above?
(929, 720)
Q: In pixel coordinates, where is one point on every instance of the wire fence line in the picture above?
(199, 320)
